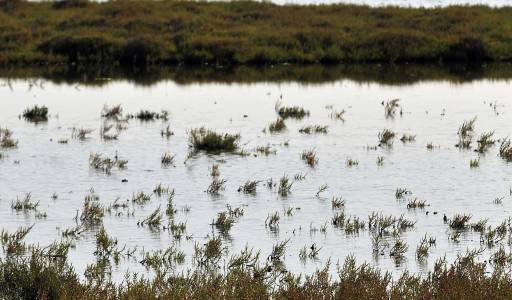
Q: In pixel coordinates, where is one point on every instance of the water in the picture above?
(432, 109)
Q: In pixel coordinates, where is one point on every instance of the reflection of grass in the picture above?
(391, 74)
(149, 32)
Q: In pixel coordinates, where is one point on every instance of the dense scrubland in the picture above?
(173, 32)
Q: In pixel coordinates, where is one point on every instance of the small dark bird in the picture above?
(124, 180)
(445, 219)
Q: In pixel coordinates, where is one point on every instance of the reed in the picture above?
(36, 114)
(202, 139)
(309, 156)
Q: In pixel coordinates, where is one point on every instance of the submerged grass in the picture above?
(202, 139)
(36, 114)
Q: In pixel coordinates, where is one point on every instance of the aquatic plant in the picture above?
(309, 156)
(295, 112)
(416, 203)
(401, 192)
(313, 129)
(265, 150)
(214, 170)
(474, 163)
(224, 222)
(146, 115)
(386, 137)
(459, 221)
(352, 162)
(81, 133)
(408, 138)
(6, 139)
(506, 150)
(465, 134)
(390, 107)
(153, 220)
(12, 243)
(277, 126)
(321, 189)
(167, 159)
(112, 112)
(36, 114)
(272, 221)
(216, 186)
(337, 203)
(285, 186)
(249, 187)
(106, 164)
(25, 204)
(210, 141)
(166, 131)
(485, 141)
(380, 160)
(140, 198)
(92, 211)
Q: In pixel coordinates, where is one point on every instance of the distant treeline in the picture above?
(231, 33)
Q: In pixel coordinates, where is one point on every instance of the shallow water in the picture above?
(441, 176)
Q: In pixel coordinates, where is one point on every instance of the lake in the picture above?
(433, 104)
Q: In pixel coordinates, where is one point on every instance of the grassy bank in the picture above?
(45, 276)
(171, 32)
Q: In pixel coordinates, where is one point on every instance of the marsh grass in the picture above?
(400, 193)
(424, 246)
(154, 220)
(485, 141)
(277, 126)
(465, 134)
(81, 133)
(309, 156)
(390, 108)
(6, 139)
(36, 114)
(112, 112)
(224, 222)
(216, 186)
(140, 198)
(202, 139)
(506, 150)
(272, 221)
(285, 186)
(160, 190)
(408, 138)
(386, 137)
(167, 159)
(166, 131)
(214, 170)
(92, 211)
(98, 162)
(293, 112)
(249, 187)
(380, 161)
(474, 163)
(416, 203)
(146, 115)
(459, 221)
(300, 176)
(265, 150)
(25, 204)
(321, 189)
(398, 250)
(337, 203)
(352, 162)
(337, 115)
(13, 243)
(310, 129)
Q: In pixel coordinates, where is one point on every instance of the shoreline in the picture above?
(248, 33)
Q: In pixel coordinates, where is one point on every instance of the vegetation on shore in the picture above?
(170, 32)
(46, 274)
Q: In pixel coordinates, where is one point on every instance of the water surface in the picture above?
(432, 110)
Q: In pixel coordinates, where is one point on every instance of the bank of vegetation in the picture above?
(176, 32)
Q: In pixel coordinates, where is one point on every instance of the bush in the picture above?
(96, 48)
